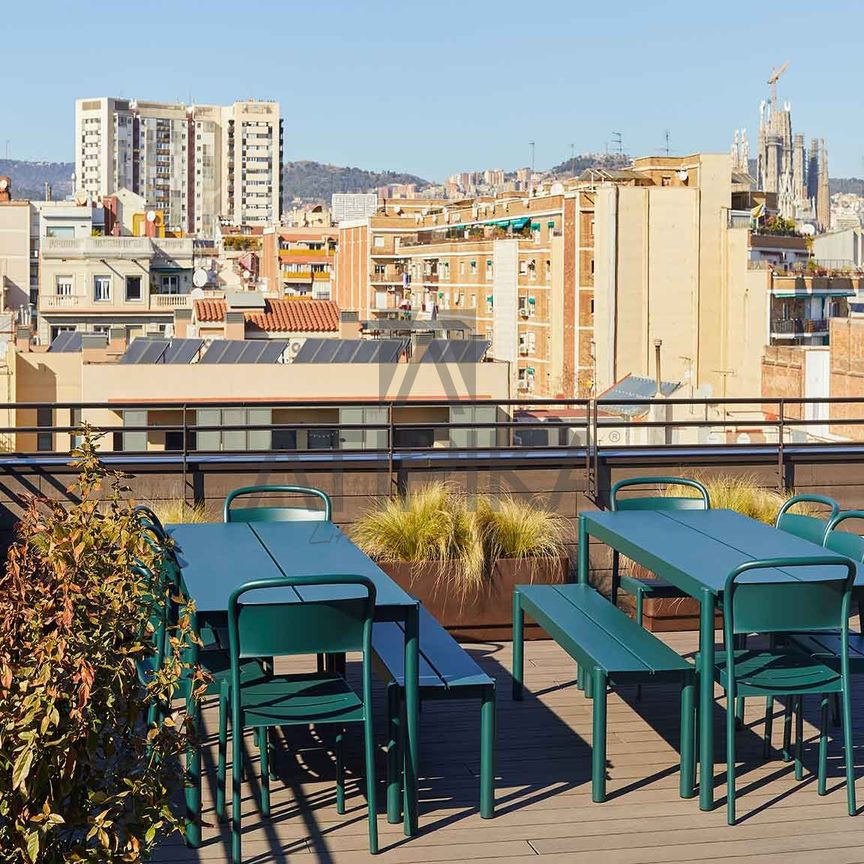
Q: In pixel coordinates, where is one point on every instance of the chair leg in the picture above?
(394, 754)
(236, 788)
(487, 753)
(340, 775)
(799, 737)
(787, 730)
(640, 596)
(769, 726)
(730, 759)
(518, 646)
(688, 752)
(835, 709)
(223, 753)
(616, 577)
(598, 744)
(264, 752)
(369, 751)
(861, 616)
(823, 746)
(739, 711)
(846, 703)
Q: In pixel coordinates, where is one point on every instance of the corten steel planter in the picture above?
(486, 615)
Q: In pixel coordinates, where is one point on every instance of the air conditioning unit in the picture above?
(294, 346)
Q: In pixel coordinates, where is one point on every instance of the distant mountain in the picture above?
(314, 181)
(584, 161)
(29, 178)
(846, 184)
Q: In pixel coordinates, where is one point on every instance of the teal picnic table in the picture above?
(695, 551)
(216, 558)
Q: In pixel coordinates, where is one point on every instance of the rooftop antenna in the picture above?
(775, 76)
(531, 178)
(573, 157)
(667, 139)
(618, 143)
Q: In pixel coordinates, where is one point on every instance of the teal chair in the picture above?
(642, 588)
(277, 514)
(806, 525)
(340, 621)
(768, 606)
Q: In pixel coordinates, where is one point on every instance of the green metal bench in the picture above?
(609, 647)
(446, 672)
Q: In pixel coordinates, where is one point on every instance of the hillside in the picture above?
(314, 181)
(846, 184)
(29, 178)
(575, 166)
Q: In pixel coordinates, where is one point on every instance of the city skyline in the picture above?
(571, 85)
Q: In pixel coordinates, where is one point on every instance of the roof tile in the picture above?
(279, 316)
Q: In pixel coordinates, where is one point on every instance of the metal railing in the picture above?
(517, 433)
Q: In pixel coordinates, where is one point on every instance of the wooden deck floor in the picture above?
(544, 808)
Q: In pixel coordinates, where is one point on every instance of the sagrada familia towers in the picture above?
(797, 176)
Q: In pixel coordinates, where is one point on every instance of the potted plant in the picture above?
(82, 775)
(461, 557)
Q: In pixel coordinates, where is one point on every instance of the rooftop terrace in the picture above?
(543, 798)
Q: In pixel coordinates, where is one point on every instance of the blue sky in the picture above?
(437, 87)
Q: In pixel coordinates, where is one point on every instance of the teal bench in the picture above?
(446, 672)
(609, 648)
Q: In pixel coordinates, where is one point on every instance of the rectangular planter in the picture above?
(482, 617)
(668, 614)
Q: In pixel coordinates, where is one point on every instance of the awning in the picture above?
(535, 226)
(502, 223)
(519, 224)
(550, 223)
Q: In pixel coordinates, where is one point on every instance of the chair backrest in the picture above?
(277, 514)
(758, 601)
(803, 525)
(150, 520)
(337, 617)
(845, 542)
(659, 502)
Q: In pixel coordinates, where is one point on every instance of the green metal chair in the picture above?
(277, 514)
(640, 587)
(340, 621)
(771, 606)
(804, 525)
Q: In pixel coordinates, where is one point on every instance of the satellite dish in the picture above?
(4, 184)
(557, 189)
(151, 215)
(197, 293)
(807, 230)
(200, 277)
(682, 175)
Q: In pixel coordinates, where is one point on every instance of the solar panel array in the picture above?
(223, 351)
(154, 350)
(455, 351)
(351, 351)
(66, 343)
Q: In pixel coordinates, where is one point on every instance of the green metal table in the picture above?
(218, 557)
(696, 550)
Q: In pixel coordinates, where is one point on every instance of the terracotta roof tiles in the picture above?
(279, 316)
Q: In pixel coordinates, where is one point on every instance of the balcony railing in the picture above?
(78, 301)
(170, 301)
(60, 301)
(799, 326)
(116, 247)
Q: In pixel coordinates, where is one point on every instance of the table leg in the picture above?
(706, 700)
(412, 699)
(582, 569)
(193, 754)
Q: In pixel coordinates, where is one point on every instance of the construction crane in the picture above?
(776, 74)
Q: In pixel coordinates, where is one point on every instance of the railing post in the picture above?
(781, 461)
(393, 480)
(185, 457)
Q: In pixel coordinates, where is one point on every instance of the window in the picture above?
(133, 288)
(64, 286)
(61, 328)
(44, 440)
(488, 268)
(461, 268)
(473, 268)
(101, 329)
(532, 270)
(665, 180)
(592, 266)
(101, 289)
(523, 268)
(67, 231)
(378, 241)
(170, 285)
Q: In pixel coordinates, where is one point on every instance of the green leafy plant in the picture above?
(82, 777)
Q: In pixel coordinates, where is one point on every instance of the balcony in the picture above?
(157, 303)
(116, 247)
(800, 327)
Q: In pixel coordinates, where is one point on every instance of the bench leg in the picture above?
(688, 734)
(799, 737)
(769, 726)
(518, 645)
(598, 748)
(616, 577)
(787, 729)
(340, 774)
(487, 753)
(394, 754)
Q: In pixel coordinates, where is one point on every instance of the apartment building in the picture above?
(299, 262)
(96, 284)
(195, 163)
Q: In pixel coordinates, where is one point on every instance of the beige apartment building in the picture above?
(94, 284)
(195, 163)
(299, 261)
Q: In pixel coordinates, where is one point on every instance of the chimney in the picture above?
(23, 334)
(235, 325)
(183, 323)
(349, 325)
(117, 341)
